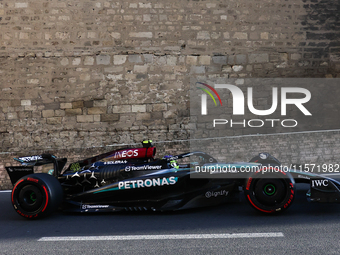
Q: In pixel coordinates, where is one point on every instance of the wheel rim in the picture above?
(269, 189)
(270, 192)
(31, 198)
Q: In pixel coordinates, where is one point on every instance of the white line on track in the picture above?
(159, 237)
(5, 191)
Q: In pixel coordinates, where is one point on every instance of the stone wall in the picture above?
(87, 74)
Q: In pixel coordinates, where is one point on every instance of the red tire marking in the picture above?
(258, 207)
(46, 198)
(33, 180)
(248, 183)
(14, 190)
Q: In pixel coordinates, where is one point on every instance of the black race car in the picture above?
(132, 179)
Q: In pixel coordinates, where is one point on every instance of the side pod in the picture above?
(324, 190)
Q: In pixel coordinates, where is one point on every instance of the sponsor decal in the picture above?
(93, 176)
(30, 158)
(125, 154)
(84, 207)
(96, 185)
(19, 169)
(75, 175)
(75, 167)
(115, 162)
(303, 177)
(210, 194)
(319, 183)
(154, 182)
(263, 156)
(85, 180)
(144, 167)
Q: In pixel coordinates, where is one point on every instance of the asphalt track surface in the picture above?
(235, 228)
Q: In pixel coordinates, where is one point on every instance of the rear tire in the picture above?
(36, 195)
(270, 192)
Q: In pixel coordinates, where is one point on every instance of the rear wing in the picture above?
(28, 163)
(36, 160)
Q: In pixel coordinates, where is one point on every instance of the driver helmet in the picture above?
(173, 162)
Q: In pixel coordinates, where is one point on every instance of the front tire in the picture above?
(36, 195)
(270, 192)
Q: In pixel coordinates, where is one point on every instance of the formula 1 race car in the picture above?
(132, 179)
